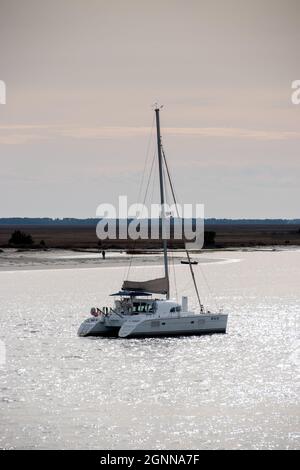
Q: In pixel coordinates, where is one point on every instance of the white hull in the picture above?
(180, 326)
(148, 326)
(101, 326)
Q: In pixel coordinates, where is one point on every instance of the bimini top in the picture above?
(156, 286)
(131, 293)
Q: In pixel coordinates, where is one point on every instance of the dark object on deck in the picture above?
(103, 254)
(186, 262)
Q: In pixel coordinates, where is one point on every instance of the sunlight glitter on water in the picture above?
(237, 390)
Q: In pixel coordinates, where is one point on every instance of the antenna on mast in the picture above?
(156, 106)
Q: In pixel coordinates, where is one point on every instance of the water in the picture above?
(233, 391)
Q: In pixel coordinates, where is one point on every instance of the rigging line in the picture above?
(187, 253)
(146, 192)
(154, 180)
(147, 157)
(149, 179)
(152, 194)
(171, 256)
(174, 274)
(174, 193)
(200, 268)
(151, 198)
(167, 216)
(211, 293)
(135, 241)
(150, 140)
(187, 287)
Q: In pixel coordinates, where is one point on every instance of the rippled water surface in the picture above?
(237, 390)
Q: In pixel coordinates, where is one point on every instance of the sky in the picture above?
(82, 76)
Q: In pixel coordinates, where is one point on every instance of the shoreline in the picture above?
(58, 259)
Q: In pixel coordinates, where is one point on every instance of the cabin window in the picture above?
(176, 309)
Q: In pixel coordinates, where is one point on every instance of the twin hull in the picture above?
(143, 326)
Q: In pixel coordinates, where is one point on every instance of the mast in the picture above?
(162, 196)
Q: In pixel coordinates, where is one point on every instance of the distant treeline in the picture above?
(93, 221)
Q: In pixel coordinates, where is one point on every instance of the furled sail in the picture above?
(156, 286)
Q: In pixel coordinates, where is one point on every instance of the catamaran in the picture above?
(137, 312)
